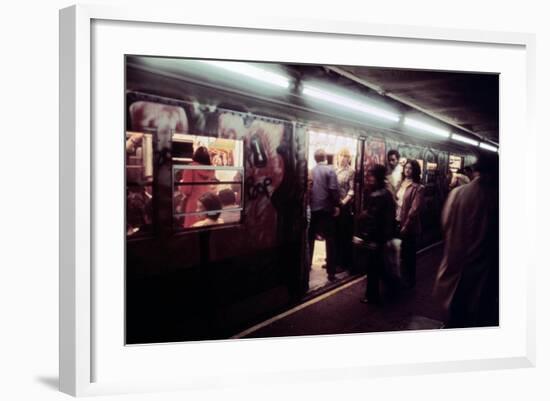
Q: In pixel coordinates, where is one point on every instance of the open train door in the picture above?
(342, 153)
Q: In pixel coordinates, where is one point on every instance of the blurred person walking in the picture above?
(466, 285)
(375, 228)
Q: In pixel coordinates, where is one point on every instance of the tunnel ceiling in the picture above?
(469, 100)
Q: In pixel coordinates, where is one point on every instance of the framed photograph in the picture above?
(187, 150)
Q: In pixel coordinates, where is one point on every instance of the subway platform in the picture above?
(339, 311)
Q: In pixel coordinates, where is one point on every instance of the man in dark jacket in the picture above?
(324, 202)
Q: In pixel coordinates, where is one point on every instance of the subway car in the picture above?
(191, 277)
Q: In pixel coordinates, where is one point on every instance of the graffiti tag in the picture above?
(255, 190)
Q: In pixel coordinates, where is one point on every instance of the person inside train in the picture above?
(324, 203)
(229, 201)
(459, 178)
(394, 171)
(410, 198)
(193, 192)
(344, 222)
(466, 286)
(210, 204)
(375, 227)
(139, 210)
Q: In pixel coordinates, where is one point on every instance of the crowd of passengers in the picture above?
(389, 225)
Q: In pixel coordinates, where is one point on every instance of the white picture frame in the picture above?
(86, 367)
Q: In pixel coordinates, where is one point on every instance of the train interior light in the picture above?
(464, 139)
(349, 103)
(332, 144)
(425, 127)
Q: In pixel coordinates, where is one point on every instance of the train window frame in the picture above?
(239, 209)
(184, 164)
(80, 324)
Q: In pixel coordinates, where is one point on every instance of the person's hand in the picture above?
(336, 212)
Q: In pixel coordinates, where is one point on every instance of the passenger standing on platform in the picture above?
(344, 222)
(466, 286)
(410, 198)
(375, 228)
(394, 172)
(324, 202)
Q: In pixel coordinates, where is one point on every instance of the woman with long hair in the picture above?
(410, 197)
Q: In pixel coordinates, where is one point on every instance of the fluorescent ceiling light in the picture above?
(251, 72)
(464, 139)
(409, 122)
(349, 103)
(311, 132)
(488, 147)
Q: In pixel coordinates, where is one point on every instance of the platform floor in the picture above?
(340, 311)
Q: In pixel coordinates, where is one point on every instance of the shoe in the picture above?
(331, 277)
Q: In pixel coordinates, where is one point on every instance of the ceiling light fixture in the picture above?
(252, 72)
(422, 126)
(488, 147)
(464, 139)
(349, 103)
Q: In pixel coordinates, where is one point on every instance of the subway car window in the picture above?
(455, 163)
(431, 172)
(207, 181)
(139, 183)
